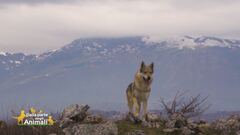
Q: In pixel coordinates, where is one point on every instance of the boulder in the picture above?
(153, 117)
(73, 114)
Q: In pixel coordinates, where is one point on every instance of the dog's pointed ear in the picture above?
(142, 66)
(152, 65)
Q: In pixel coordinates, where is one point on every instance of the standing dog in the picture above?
(139, 90)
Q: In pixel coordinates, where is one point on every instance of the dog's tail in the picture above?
(129, 93)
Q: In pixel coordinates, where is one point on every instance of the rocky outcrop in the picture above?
(152, 121)
(227, 126)
(73, 114)
(75, 120)
(179, 124)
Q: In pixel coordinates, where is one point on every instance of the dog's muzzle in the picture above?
(147, 79)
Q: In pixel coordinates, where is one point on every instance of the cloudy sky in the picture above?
(34, 26)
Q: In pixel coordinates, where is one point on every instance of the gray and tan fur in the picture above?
(139, 90)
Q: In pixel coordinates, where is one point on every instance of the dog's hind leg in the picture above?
(130, 105)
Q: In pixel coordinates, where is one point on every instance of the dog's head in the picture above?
(147, 72)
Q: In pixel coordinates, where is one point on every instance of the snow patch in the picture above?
(88, 48)
(18, 62)
(97, 45)
(212, 43)
(181, 43)
(3, 53)
(130, 49)
(104, 51)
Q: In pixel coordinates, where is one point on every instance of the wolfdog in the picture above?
(139, 90)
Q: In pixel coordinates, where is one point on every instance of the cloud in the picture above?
(35, 26)
(35, 1)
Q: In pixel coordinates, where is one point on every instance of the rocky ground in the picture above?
(76, 120)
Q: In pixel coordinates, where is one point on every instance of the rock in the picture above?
(93, 119)
(108, 128)
(157, 125)
(170, 124)
(177, 120)
(153, 117)
(187, 131)
(73, 114)
(150, 124)
(228, 125)
(145, 124)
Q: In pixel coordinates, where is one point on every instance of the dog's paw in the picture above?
(132, 118)
(137, 120)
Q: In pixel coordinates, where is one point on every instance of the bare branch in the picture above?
(190, 108)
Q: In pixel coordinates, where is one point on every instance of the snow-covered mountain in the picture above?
(193, 43)
(102, 47)
(97, 71)
(10, 61)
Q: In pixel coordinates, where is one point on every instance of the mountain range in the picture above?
(97, 71)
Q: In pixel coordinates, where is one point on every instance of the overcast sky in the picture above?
(34, 26)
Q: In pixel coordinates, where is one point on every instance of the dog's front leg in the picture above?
(145, 110)
(137, 107)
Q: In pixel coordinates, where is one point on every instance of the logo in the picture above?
(34, 118)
